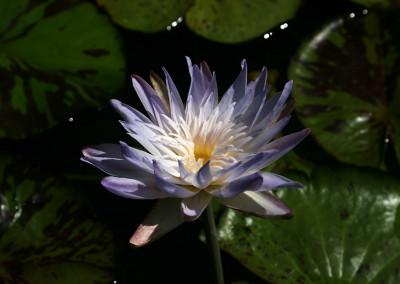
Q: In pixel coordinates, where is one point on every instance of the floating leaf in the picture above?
(346, 90)
(145, 15)
(55, 59)
(47, 234)
(238, 20)
(345, 231)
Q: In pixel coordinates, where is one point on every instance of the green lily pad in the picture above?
(47, 233)
(347, 89)
(346, 230)
(145, 15)
(237, 21)
(55, 59)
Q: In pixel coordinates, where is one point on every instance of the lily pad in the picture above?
(345, 231)
(237, 21)
(47, 233)
(347, 89)
(145, 15)
(55, 59)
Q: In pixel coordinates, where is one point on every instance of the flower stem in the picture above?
(212, 244)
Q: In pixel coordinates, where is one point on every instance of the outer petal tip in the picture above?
(142, 235)
(163, 218)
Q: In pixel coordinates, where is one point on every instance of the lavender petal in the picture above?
(251, 182)
(193, 207)
(260, 204)
(143, 188)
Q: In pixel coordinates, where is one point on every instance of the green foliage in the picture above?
(55, 59)
(347, 89)
(221, 21)
(145, 15)
(345, 230)
(47, 234)
(238, 20)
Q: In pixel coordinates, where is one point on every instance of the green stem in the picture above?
(212, 244)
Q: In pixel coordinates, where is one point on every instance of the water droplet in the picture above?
(284, 26)
(168, 28)
(71, 119)
(266, 36)
(352, 15)
(174, 24)
(180, 19)
(386, 140)
(365, 11)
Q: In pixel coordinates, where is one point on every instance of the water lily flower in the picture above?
(209, 150)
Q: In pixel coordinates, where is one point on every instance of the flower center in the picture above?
(201, 158)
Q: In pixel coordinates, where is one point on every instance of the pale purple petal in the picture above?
(196, 89)
(251, 182)
(265, 135)
(253, 165)
(237, 90)
(286, 143)
(254, 99)
(175, 101)
(128, 113)
(279, 147)
(203, 177)
(225, 172)
(206, 73)
(148, 97)
(164, 217)
(167, 172)
(285, 110)
(139, 158)
(272, 181)
(146, 143)
(185, 175)
(259, 83)
(109, 159)
(170, 188)
(272, 107)
(261, 204)
(254, 111)
(193, 207)
(141, 188)
(210, 98)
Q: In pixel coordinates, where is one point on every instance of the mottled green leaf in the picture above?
(345, 84)
(238, 20)
(344, 231)
(47, 233)
(56, 58)
(145, 15)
